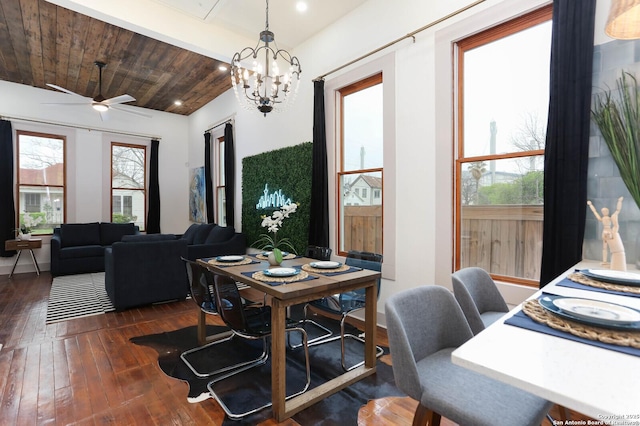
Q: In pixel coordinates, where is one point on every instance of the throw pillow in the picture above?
(220, 234)
(190, 233)
(203, 232)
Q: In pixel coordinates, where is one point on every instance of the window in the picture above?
(503, 86)
(376, 193)
(41, 181)
(220, 183)
(128, 184)
(361, 165)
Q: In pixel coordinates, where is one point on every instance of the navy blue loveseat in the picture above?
(78, 248)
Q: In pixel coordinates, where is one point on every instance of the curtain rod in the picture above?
(73, 126)
(229, 119)
(409, 35)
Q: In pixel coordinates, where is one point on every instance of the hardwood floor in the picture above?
(86, 372)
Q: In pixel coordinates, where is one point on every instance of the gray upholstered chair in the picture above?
(478, 297)
(425, 325)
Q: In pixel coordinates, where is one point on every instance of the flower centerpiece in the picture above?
(28, 222)
(270, 241)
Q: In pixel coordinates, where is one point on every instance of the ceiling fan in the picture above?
(100, 103)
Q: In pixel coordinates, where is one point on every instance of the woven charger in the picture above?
(244, 261)
(307, 267)
(260, 276)
(582, 279)
(536, 312)
(287, 257)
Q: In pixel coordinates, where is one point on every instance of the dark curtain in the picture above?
(8, 210)
(208, 178)
(319, 206)
(229, 175)
(567, 144)
(153, 215)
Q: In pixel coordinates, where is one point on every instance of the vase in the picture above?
(25, 236)
(272, 259)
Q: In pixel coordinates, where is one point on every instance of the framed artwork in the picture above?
(197, 208)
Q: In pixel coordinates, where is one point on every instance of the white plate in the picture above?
(325, 264)
(616, 275)
(280, 272)
(595, 309)
(266, 253)
(229, 258)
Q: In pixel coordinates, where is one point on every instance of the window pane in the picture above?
(128, 167)
(221, 163)
(130, 207)
(361, 216)
(362, 123)
(506, 93)
(222, 207)
(43, 207)
(502, 215)
(41, 160)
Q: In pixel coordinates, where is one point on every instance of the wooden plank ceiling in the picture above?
(43, 43)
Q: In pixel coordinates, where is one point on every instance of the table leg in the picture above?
(370, 323)
(35, 262)
(278, 359)
(15, 263)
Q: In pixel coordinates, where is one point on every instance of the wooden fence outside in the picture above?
(363, 228)
(504, 240)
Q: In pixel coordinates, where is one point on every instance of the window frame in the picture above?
(497, 32)
(63, 138)
(219, 183)
(144, 187)
(341, 93)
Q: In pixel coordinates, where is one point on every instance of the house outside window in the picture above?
(503, 85)
(41, 181)
(128, 184)
(361, 165)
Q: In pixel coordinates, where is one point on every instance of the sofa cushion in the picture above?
(147, 237)
(203, 232)
(79, 252)
(220, 234)
(190, 233)
(113, 232)
(80, 234)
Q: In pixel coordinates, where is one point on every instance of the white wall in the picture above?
(88, 157)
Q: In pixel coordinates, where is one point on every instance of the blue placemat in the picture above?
(521, 320)
(572, 284)
(275, 283)
(331, 274)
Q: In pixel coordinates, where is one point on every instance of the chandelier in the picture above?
(264, 87)
(624, 19)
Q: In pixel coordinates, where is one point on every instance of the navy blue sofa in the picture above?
(78, 248)
(145, 269)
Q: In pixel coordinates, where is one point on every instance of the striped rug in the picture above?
(77, 296)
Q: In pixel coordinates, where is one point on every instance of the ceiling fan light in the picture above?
(100, 107)
(624, 20)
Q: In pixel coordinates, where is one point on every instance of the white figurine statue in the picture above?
(611, 241)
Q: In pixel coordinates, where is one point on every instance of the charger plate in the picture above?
(592, 312)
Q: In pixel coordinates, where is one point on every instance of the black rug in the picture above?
(253, 386)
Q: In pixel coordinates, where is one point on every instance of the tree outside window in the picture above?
(128, 184)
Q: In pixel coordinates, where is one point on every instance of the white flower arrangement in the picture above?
(273, 224)
(29, 222)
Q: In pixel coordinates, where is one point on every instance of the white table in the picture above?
(598, 382)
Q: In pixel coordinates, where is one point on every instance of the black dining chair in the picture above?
(249, 322)
(202, 293)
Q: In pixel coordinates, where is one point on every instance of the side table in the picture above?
(19, 245)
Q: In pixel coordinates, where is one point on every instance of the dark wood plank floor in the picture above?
(86, 372)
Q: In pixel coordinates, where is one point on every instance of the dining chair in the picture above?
(202, 293)
(253, 323)
(479, 297)
(340, 306)
(318, 253)
(425, 325)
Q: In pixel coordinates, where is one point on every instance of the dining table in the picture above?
(306, 285)
(575, 342)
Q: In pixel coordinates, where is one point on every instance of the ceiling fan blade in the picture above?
(130, 111)
(66, 103)
(119, 100)
(104, 115)
(62, 89)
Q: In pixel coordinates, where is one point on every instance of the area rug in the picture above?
(254, 385)
(77, 296)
